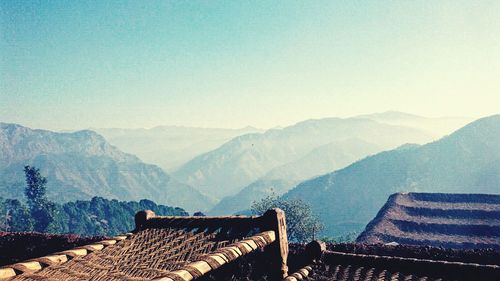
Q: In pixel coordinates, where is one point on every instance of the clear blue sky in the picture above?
(77, 64)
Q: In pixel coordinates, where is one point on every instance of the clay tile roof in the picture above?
(437, 219)
(161, 248)
(339, 266)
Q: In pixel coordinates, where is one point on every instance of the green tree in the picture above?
(101, 216)
(14, 216)
(301, 224)
(349, 237)
(42, 211)
(35, 186)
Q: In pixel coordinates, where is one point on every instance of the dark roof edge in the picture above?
(424, 267)
(37, 264)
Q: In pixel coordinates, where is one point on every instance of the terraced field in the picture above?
(437, 219)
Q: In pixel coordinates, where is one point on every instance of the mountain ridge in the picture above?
(467, 160)
(170, 146)
(82, 164)
(320, 160)
(243, 160)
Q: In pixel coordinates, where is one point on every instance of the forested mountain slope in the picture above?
(82, 165)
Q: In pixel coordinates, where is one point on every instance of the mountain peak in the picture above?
(82, 164)
(391, 114)
(12, 127)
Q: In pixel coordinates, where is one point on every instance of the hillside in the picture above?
(82, 165)
(243, 160)
(170, 146)
(437, 219)
(255, 191)
(279, 180)
(467, 161)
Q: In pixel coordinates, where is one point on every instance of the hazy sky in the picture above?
(77, 64)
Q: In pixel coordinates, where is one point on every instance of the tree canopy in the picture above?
(301, 224)
(97, 216)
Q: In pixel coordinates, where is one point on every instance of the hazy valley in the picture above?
(170, 146)
(367, 155)
(228, 169)
(249, 140)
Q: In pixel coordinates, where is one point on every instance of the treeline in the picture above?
(98, 216)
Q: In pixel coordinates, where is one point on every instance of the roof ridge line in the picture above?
(414, 259)
(220, 257)
(431, 268)
(300, 274)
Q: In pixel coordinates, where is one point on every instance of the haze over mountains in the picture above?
(227, 170)
(320, 160)
(438, 127)
(229, 165)
(336, 155)
(170, 146)
(82, 165)
(467, 161)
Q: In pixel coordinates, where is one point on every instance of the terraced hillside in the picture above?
(437, 219)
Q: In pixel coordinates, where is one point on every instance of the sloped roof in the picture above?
(336, 266)
(437, 219)
(324, 264)
(186, 248)
(21, 246)
(161, 248)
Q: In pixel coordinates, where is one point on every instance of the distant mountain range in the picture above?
(437, 126)
(82, 165)
(238, 163)
(320, 160)
(228, 165)
(170, 146)
(467, 161)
